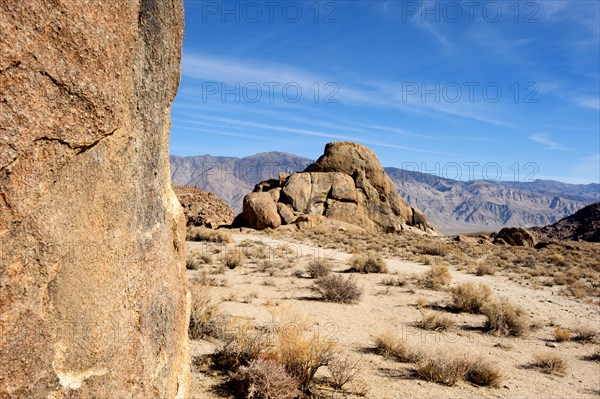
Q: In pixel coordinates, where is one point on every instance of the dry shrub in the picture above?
(584, 334)
(264, 379)
(450, 369)
(318, 269)
(205, 317)
(435, 250)
(483, 373)
(195, 233)
(436, 321)
(303, 353)
(437, 277)
(194, 260)
(343, 369)
(234, 258)
(368, 263)
(485, 269)
(390, 345)
(562, 334)
(336, 288)
(399, 281)
(550, 363)
(470, 297)
(240, 348)
(443, 369)
(504, 318)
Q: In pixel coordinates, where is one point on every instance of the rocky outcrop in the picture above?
(202, 208)
(515, 236)
(347, 184)
(260, 211)
(93, 300)
(583, 225)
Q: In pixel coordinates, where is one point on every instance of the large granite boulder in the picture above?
(347, 184)
(93, 299)
(261, 211)
(515, 236)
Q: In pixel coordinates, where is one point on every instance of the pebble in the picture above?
(551, 344)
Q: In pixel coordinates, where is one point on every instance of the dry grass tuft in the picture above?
(437, 277)
(194, 260)
(318, 269)
(436, 321)
(484, 373)
(562, 334)
(336, 288)
(264, 379)
(443, 369)
(205, 319)
(240, 348)
(195, 233)
(550, 363)
(303, 353)
(470, 297)
(485, 269)
(234, 258)
(504, 318)
(390, 345)
(368, 263)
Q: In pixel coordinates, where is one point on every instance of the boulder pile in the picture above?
(347, 183)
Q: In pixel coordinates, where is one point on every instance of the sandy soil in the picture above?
(251, 295)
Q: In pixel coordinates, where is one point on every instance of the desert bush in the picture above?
(470, 297)
(303, 353)
(234, 258)
(443, 369)
(336, 288)
(368, 263)
(240, 348)
(483, 373)
(437, 277)
(436, 321)
(399, 281)
(584, 334)
(205, 317)
(390, 345)
(562, 334)
(504, 318)
(194, 260)
(343, 369)
(264, 379)
(550, 363)
(435, 250)
(195, 233)
(485, 269)
(318, 269)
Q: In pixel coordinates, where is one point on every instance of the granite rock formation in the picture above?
(93, 299)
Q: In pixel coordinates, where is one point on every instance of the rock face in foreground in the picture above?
(93, 301)
(202, 208)
(583, 225)
(347, 184)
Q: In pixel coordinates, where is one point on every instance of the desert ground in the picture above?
(406, 322)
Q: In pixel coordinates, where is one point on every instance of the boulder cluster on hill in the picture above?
(347, 183)
(202, 208)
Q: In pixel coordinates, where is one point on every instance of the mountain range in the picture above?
(451, 206)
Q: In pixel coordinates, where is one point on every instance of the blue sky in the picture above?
(503, 90)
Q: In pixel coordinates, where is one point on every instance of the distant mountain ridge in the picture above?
(452, 206)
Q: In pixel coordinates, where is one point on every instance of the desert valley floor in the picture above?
(270, 288)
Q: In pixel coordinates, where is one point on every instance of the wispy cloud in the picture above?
(380, 95)
(588, 102)
(544, 138)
